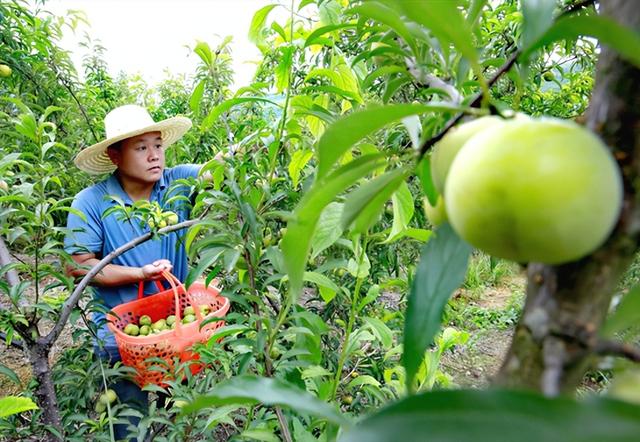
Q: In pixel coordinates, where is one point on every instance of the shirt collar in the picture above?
(115, 188)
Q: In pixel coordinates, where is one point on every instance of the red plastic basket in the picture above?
(135, 350)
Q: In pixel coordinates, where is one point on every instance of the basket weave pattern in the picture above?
(135, 350)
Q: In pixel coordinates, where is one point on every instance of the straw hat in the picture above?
(126, 122)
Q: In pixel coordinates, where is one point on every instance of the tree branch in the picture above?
(474, 103)
(614, 348)
(577, 7)
(71, 302)
(17, 343)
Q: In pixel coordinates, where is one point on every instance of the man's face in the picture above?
(140, 158)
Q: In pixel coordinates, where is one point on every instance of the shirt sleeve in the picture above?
(84, 235)
(185, 171)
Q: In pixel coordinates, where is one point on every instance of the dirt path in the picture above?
(474, 364)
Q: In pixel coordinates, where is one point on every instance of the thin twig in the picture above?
(476, 101)
(286, 435)
(577, 7)
(614, 348)
(64, 82)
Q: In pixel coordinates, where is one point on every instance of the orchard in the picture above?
(423, 216)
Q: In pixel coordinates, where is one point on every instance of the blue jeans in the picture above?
(128, 392)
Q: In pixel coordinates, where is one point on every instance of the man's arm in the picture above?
(113, 274)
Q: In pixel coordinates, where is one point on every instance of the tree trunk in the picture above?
(45, 392)
(566, 305)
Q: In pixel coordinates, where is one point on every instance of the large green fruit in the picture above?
(446, 149)
(542, 190)
(435, 214)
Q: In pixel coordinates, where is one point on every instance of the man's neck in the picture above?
(135, 189)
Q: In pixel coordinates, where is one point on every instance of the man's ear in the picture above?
(114, 155)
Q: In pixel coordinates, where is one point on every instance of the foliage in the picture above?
(311, 222)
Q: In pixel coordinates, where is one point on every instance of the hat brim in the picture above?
(94, 159)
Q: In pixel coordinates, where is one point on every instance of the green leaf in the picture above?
(498, 416)
(537, 17)
(442, 268)
(297, 241)
(342, 77)
(252, 390)
(328, 230)
(445, 21)
(414, 129)
(328, 288)
(10, 373)
(380, 331)
(260, 434)
(228, 330)
(9, 159)
(372, 295)
(11, 405)
(299, 159)
(381, 72)
(203, 50)
(622, 39)
(347, 131)
(383, 14)
(226, 105)
(364, 204)
(196, 97)
(283, 70)
(329, 11)
(208, 259)
(314, 36)
(423, 170)
(402, 211)
(627, 313)
(258, 23)
(363, 379)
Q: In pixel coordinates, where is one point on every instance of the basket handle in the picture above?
(175, 284)
(141, 288)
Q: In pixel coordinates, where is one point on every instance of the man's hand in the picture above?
(155, 269)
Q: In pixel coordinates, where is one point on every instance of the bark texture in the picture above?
(566, 305)
(45, 392)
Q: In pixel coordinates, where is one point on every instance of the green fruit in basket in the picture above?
(132, 330)
(171, 319)
(145, 320)
(172, 326)
(145, 330)
(188, 319)
(188, 311)
(205, 310)
(159, 325)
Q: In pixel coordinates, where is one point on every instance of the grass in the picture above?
(485, 271)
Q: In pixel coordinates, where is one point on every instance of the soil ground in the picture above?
(474, 364)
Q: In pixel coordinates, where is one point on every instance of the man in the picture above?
(134, 149)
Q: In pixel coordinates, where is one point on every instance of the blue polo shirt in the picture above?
(103, 235)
